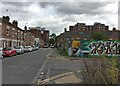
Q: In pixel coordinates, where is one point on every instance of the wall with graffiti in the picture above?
(79, 47)
(74, 49)
(105, 47)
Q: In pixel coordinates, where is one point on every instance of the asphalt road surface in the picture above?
(21, 69)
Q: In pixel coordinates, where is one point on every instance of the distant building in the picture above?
(81, 31)
(40, 34)
(83, 27)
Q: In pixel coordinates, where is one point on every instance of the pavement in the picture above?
(59, 70)
(72, 78)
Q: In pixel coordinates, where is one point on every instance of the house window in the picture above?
(21, 35)
(13, 32)
(8, 30)
(25, 36)
(18, 34)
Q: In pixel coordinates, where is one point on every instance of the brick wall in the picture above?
(12, 35)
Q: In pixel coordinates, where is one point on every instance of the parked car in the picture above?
(25, 49)
(37, 47)
(33, 47)
(29, 48)
(1, 53)
(45, 46)
(9, 52)
(52, 46)
(19, 49)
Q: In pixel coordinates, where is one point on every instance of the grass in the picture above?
(63, 53)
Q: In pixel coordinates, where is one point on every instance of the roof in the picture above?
(69, 33)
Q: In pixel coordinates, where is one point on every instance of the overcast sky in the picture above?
(55, 16)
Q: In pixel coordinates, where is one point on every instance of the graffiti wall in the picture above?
(105, 47)
(74, 49)
(77, 48)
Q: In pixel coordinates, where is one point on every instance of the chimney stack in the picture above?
(15, 23)
(25, 28)
(6, 18)
(65, 30)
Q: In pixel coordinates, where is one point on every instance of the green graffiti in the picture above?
(107, 47)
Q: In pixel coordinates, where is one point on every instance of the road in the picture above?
(21, 69)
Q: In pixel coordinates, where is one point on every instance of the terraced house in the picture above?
(12, 35)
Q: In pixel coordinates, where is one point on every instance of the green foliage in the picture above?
(98, 36)
(51, 41)
(63, 53)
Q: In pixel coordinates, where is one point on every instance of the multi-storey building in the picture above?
(81, 31)
(12, 35)
(36, 31)
(40, 33)
(88, 28)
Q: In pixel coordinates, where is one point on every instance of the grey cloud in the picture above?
(69, 18)
(18, 4)
(70, 8)
(46, 4)
(64, 10)
(17, 10)
(91, 8)
(15, 7)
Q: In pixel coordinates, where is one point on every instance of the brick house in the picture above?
(12, 35)
(36, 31)
(40, 33)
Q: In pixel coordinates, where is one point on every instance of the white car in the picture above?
(36, 48)
(1, 53)
(29, 48)
(19, 49)
(33, 47)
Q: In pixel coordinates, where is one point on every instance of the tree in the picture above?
(52, 39)
(98, 36)
(53, 36)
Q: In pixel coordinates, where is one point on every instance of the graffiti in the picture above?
(108, 47)
(75, 50)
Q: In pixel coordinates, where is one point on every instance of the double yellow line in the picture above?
(53, 78)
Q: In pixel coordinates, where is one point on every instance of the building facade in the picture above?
(89, 28)
(81, 32)
(12, 35)
(40, 34)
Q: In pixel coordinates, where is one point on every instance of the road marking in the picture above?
(41, 69)
(53, 78)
